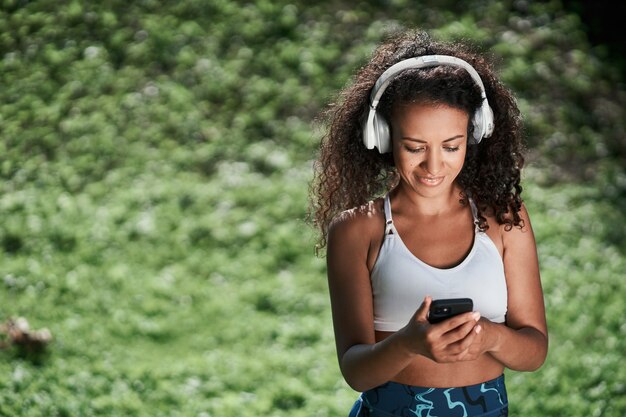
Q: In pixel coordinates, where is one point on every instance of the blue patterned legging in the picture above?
(487, 399)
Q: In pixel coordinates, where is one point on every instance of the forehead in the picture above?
(428, 117)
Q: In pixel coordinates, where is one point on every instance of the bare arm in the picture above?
(363, 363)
(521, 344)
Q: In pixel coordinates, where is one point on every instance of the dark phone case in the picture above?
(444, 309)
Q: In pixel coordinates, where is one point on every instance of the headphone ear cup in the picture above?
(382, 134)
(483, 122)
(369, 131)
(477, 122)
(487, 119)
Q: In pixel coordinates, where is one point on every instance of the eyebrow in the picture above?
(423, 141)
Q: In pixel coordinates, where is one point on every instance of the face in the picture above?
(429, 146)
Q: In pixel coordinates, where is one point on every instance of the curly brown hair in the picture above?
(347, 174)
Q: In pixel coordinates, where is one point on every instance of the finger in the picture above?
(458, 333)
(422, 312)
(459, 351)
(462, 347)
(454, 323)
(460, 320)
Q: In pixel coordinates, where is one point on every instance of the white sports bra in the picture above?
(400, 280)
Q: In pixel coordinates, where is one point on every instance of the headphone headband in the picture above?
(376, 129)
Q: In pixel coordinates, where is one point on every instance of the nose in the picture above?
(433, 162)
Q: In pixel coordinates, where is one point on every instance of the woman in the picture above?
(428, 129)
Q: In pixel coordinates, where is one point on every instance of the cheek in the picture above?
(462, 157)
(405, 162)
(457, 157)
(460, 161)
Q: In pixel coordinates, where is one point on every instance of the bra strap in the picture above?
(389, 227)
(474, 214)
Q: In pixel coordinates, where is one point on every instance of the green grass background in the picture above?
(154, 168)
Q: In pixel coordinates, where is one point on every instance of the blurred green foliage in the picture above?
(154, 165)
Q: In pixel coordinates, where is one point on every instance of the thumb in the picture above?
(422, 312)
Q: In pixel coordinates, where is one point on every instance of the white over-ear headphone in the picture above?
(376, 129)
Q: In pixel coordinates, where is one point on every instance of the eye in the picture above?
(414, 150)
(451, 149)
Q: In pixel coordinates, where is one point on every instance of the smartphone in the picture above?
(446, 308)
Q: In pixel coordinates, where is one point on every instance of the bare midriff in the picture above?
(424, 372)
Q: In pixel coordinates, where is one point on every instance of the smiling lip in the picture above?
(430, 181)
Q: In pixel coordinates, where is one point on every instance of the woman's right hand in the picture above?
(444, 342)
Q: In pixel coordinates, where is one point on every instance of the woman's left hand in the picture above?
(482, 341)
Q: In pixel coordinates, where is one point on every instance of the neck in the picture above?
(427, 206)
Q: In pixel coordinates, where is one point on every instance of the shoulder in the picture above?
(506, 234)
(519, 237)
(357, 224)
